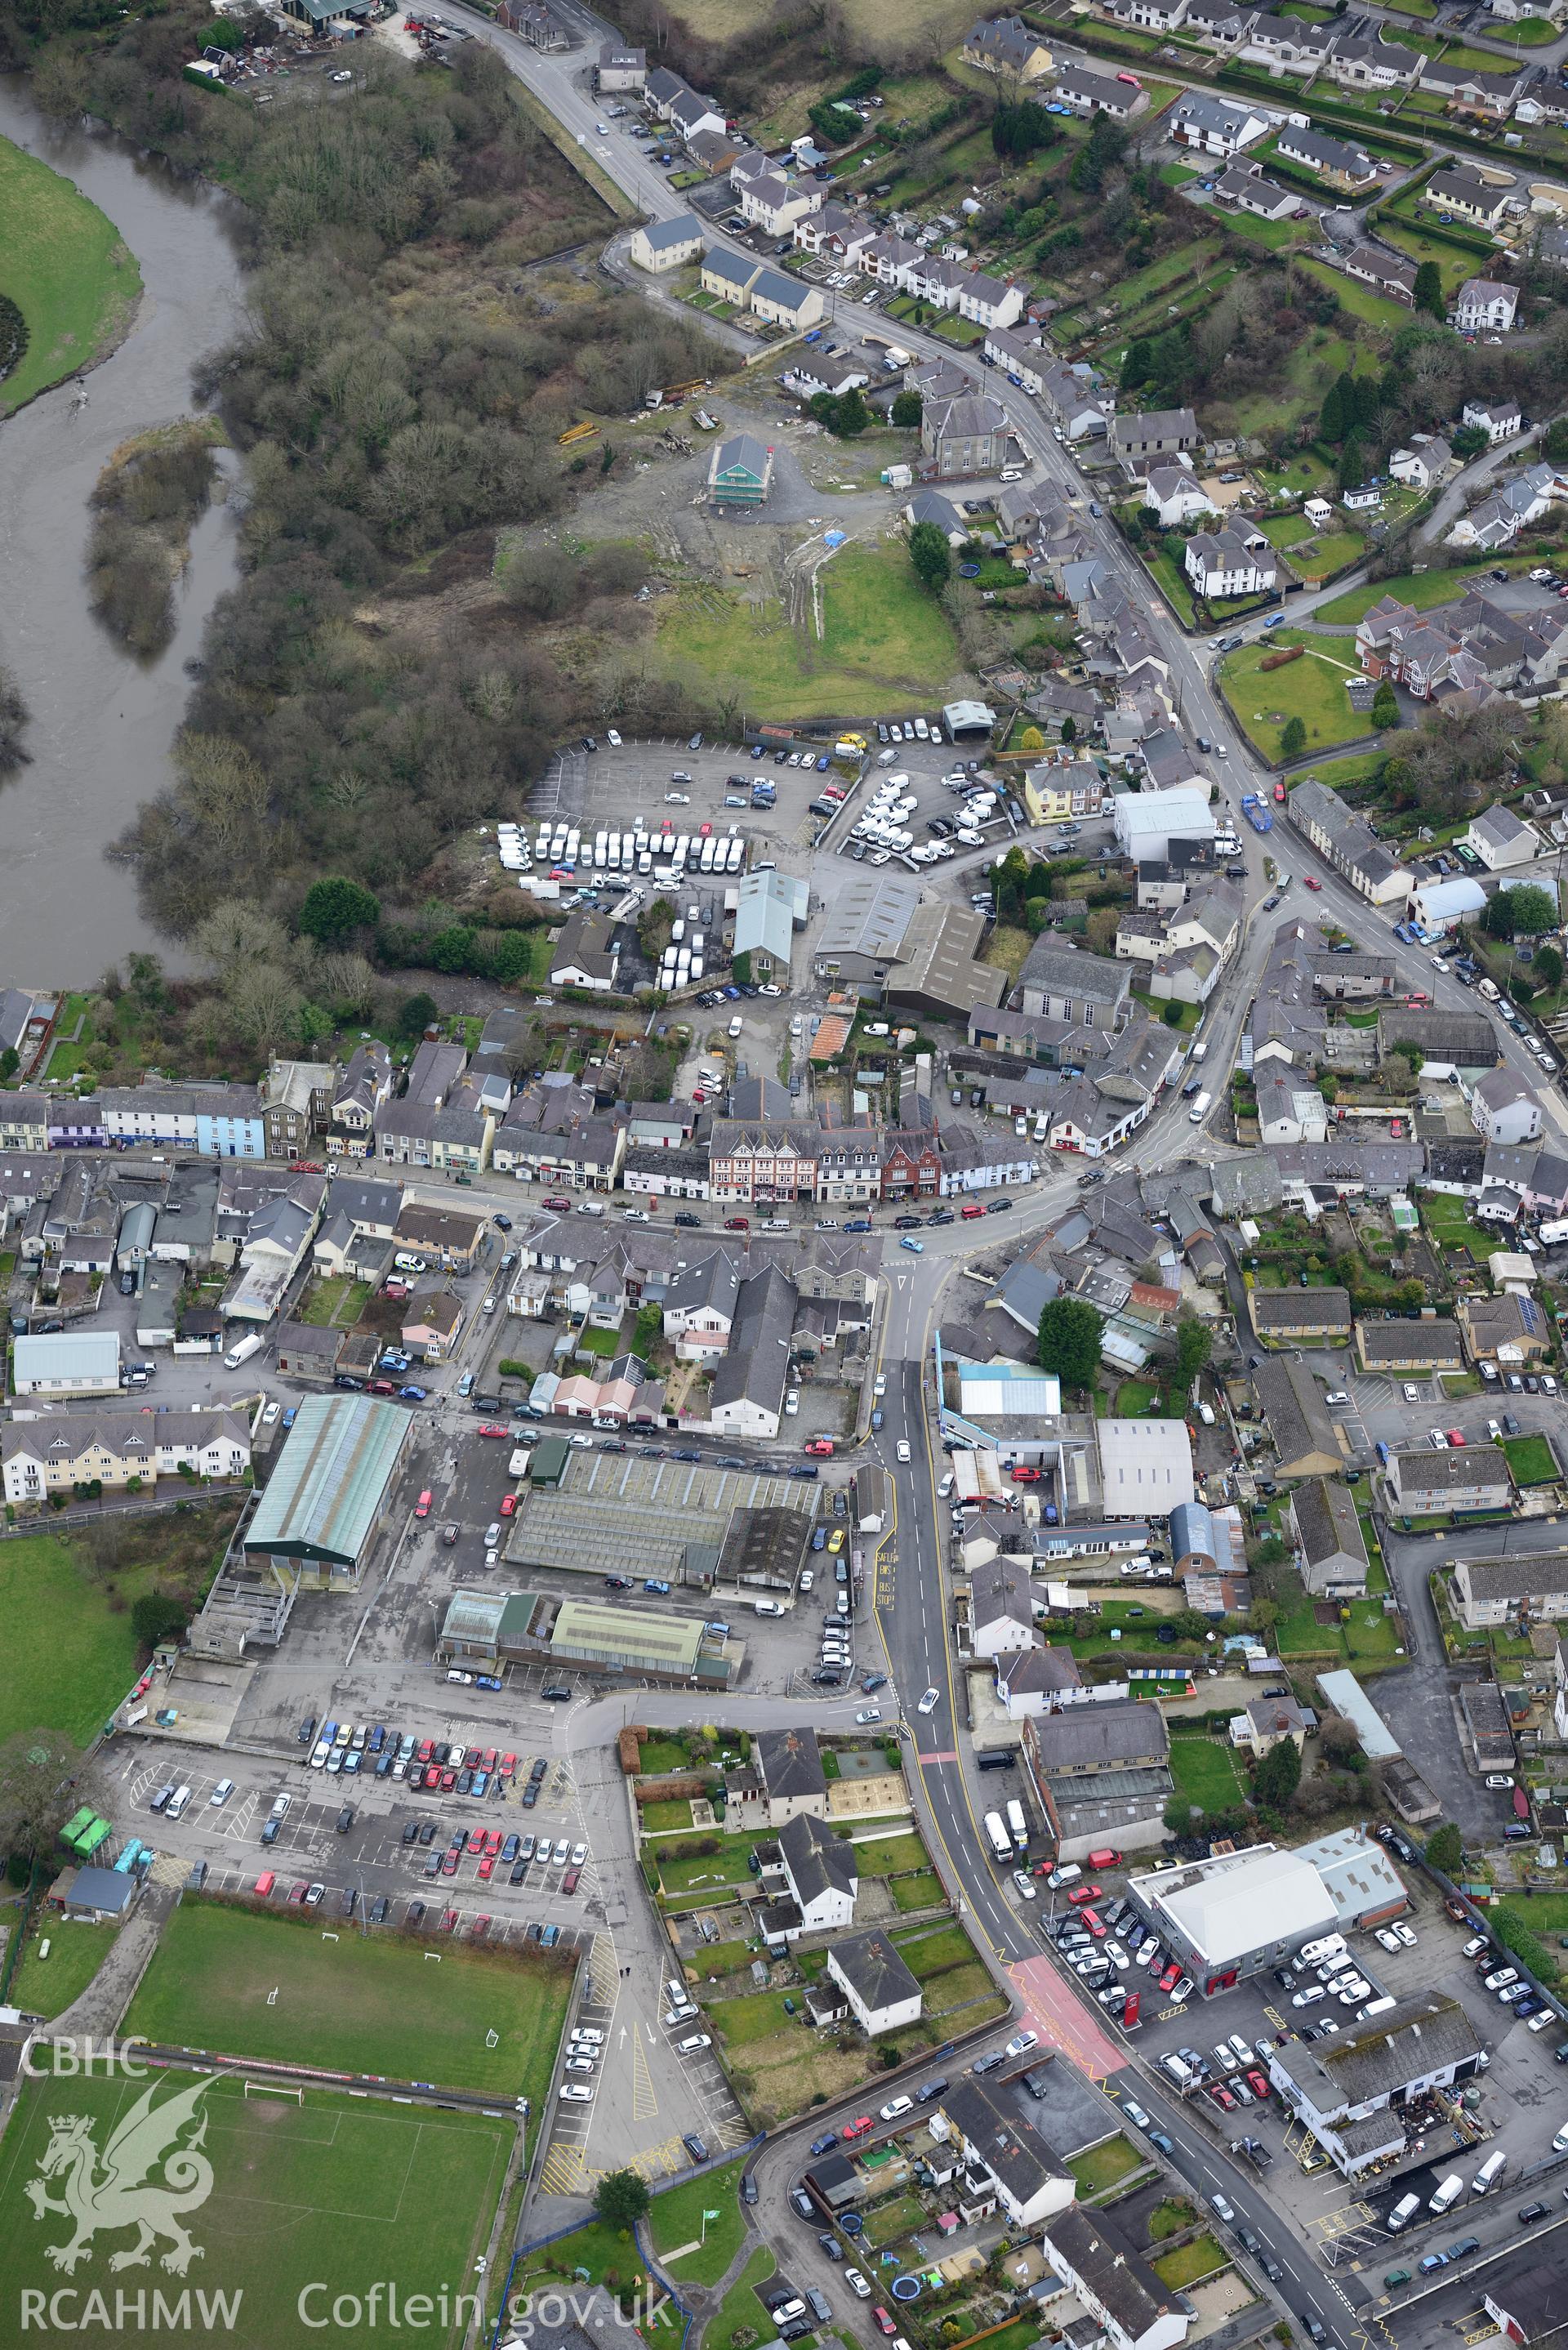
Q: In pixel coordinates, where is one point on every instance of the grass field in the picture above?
(48, 1682)
(1312, 689)
(333, 2195)
(880, 631)
(64, 265)
(677, 2218)
(1423, 589)
(1205, 1773)
(1358, 299)
(46, 1986)
(363, 2004)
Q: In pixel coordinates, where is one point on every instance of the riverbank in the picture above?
(68, 271)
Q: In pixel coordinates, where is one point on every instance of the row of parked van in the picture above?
(1448, 2193)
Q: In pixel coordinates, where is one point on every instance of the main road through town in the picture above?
(909, 1596)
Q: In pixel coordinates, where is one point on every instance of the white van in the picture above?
(1447, 2196)
(766, 1608)
(1200, 1110)
(1489, 2174)
(1402, 2214)
(177, 1802)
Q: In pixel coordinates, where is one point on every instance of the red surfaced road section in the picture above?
(1062, 2021)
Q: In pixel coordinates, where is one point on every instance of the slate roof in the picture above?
(818, 1861)
(789, 1765)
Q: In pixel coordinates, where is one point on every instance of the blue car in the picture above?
(291, 1415)
(818, 1541)
(413, 1395)
(915, 1247)
(1434, 2260)
(487, 1680)
(657, 1585)
(826, 2144)
(823, 765)
(479, 1782)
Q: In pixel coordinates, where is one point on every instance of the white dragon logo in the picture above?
(117, 2191)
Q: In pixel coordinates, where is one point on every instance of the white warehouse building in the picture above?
(1146, 823)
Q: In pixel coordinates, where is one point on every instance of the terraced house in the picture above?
(1301, 1317)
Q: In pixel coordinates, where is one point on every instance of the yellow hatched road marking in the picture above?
(644, 2097)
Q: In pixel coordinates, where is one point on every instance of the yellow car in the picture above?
(835, 1539)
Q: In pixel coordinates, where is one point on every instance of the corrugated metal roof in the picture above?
(68, 1354)
(612, 1635)
(332, 1475)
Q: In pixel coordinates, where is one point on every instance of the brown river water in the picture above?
(102, 721)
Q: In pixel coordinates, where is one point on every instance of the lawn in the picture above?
(1358, 299)
(739, 2022)
(338, 1301)
(63, 263)
(920, 1890)
(1205, 1773)
(676, 2219)
(50, 1682)
(705, 1872)
(46, 1987)
(1315, 555)
(1164, 558)
(1450, 1228)
(882, 1856)
(1369, 1634)
(660, 1754)
(661, 1818)
(1187, 2263)
(252, 1985)
(1312, 689)
(881, 632)
(1361, 767)
(740, 2307)
(359, 2193)
(1423, 589)
(1103, 2166)
(1272, 233)
(1531, 1460)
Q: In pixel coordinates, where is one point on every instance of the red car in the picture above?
(971, 1211)
(425, 1748)
(1456, 1436)
(479, 1927)
(1171, 1977)
(1096, 1926)
(1026, 1476)
(298, 1892)
(508, 1504)
(384, 1388)
(449, 1921)
(1259, 2083)
(1313, 882)
(819, 1448)
(487, 1763)
(486, 1867)
(422, 1507)
(508, 1763)
(572, 1880)
(882, 2321)
(699, 1096)
(264, 1884)
(448, 1781)
(1082, 1892)
(1222, 2097)
(559, 1207)
(737, 1223)
(448, 1864)
(493, 1841)
(853, 2130)
(489, 1427)
(434, 1776)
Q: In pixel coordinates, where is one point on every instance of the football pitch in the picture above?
(293, 2212)
(240, 1983)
